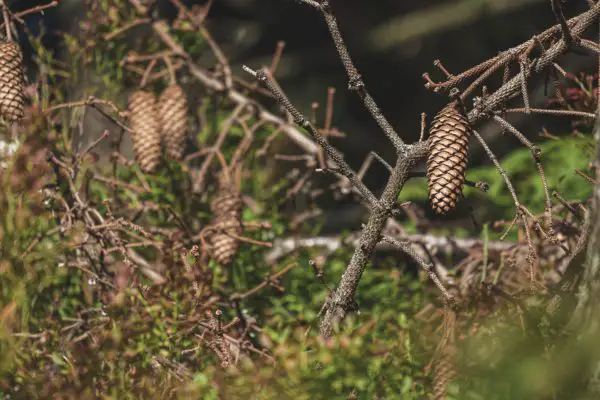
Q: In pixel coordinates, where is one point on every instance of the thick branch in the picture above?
(513, 87)
(343, 299)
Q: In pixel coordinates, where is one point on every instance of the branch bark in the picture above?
(342, 300)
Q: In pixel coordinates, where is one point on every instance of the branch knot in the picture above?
(355, 83)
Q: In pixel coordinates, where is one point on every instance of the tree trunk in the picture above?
(587, 314)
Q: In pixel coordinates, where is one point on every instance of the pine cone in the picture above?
(145, 126)
(173, 108)
(445, 372)
(12, 82)
(227, 209)
(447, 160)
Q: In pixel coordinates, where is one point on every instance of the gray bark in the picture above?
(585, 322)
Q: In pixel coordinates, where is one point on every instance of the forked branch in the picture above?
(344, 169)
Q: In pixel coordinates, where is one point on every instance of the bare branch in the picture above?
(343, 299)
(406, 247)
(283, 247)
(355, 82)
(560, 17)
(163, 31)
(344, 169)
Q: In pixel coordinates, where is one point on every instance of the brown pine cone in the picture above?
(145, 126)
(173, 108)
(227, 209)
(447, 159)
(445, 372)
(12, 82)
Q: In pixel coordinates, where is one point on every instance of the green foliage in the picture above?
(560, 158)
(375, 355)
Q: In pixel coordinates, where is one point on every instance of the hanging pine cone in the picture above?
(173, 109)
(447, 160)
(145, 126)
(227, 209)
(445, 372)
(11, 82)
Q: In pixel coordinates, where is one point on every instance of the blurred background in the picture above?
(393, 44)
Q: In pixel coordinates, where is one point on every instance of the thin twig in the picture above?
(558, 13)
(355, 82)
(406, 247)
(7, 22)
(263, 76)
(267, 281)
(569, 113)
